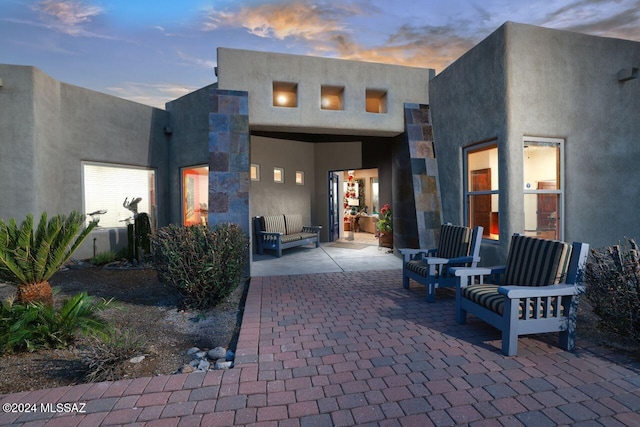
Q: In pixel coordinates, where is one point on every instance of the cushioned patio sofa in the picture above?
(278, 232)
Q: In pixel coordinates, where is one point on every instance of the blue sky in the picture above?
(152, 51)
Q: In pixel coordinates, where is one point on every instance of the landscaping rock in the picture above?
(186, 369)
(136, 359)
(217, 353)
(192, 351)
(223, 364)
(203, 365)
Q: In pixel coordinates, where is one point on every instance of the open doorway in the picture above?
(354, 204)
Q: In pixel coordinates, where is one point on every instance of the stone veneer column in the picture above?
(424, 171)
(229, 158)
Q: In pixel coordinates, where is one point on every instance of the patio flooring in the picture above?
(354, 348)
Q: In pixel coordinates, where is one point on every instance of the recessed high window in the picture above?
(285, 94)
(332, 97)
(543, 187)
(105, 188)
(482, 189)
(376, 101)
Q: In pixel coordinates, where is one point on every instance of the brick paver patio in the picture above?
(343, 349)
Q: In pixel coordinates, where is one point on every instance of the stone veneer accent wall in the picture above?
(424, 170)
(229, 158)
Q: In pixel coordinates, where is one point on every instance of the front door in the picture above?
(334, 206)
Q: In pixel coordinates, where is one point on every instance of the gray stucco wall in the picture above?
(52, 127)
(270, 198)
(469, 106)
(189, 146)
(564, 84)
(522, 81)
(17, 142)
(255, 72)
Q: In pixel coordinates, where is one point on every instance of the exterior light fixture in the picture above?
(627, 74)
(285, 94)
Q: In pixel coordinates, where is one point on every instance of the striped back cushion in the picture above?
(455, 241)
(293, 223)
(536, 262)
(274, 224)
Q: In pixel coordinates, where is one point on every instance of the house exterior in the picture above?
(533, 130)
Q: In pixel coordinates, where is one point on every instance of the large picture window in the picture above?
(482, 189)
(106, 186)
(195, 195)
(543, 187)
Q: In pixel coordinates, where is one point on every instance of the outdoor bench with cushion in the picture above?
(457, 247)
(278, 232)
(535, 292)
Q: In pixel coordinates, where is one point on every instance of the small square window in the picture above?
(278, 175)
(331, 97)
(300, 177)
(376, 101)
(254, 172)
(285, 94)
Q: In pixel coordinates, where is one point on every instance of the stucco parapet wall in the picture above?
(255, 72)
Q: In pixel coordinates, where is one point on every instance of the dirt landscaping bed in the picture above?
(147, 308)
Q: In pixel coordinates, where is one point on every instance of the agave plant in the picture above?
(28, 257)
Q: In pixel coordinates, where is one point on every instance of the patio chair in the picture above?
(535, 292)
(457, 247)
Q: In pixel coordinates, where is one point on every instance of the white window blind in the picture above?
(106, 187)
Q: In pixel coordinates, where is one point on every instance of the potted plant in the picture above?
(385, 227)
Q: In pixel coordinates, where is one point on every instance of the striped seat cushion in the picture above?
(419, 267)
(455, 241)
(274, 224)
(536, 262)
(489, 297)
(293, 223)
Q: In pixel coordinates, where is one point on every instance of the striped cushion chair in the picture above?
(457, 247)
(535, 292)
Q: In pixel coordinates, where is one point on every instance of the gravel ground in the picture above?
(146, 307)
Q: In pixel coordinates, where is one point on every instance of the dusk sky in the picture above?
(153, 51)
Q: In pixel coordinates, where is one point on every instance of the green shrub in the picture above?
(35, 325)
(30, 256)
(104, 258)
(106, 358)
(612, 279)
(204, 265)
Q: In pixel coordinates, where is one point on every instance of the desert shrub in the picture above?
(34, 326)
(204, 265)
(106, 358)
(104, 258)
(612, 279)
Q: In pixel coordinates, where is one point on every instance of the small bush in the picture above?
(612, 278)
(104, 258)
(204, 265)
(106, 358)
(34, 326)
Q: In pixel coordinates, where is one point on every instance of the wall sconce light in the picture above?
(0, 82)
(627, 74)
